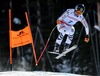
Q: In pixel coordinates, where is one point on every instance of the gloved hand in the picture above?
(58, 22)
(87, 38)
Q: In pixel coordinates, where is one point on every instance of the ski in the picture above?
(65, 52)
(53, 52)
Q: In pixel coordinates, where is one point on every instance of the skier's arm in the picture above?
(64, 15)
(85, 24)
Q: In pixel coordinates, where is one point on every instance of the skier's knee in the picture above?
(72, 31)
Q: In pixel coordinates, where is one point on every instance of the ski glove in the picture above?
(58, 22)
(87, 38)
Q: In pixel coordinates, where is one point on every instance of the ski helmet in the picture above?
(80, 8)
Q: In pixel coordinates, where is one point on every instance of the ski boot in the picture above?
(66, 46)
(56, 48)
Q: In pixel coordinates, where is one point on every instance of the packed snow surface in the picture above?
(36, 73)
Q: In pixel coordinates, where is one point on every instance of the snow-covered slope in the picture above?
(36, 73)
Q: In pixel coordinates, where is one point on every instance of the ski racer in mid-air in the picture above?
(65, 25)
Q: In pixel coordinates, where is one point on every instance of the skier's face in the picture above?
(77, 13)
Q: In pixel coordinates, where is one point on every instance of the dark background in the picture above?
(43, 15)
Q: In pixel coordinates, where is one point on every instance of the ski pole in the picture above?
(46, 44)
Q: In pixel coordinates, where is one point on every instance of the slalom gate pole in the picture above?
(46, 44)
(10, 39)
(34, 51)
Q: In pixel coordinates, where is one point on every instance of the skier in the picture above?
(65, 25)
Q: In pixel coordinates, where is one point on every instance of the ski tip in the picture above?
(53, 52)
(56, 58)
